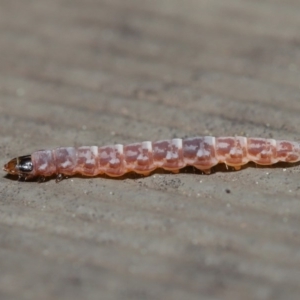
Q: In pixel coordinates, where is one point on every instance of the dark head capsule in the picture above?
(19, 165)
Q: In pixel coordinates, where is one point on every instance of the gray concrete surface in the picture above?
(115, 71)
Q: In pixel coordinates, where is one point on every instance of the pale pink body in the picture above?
(201, 152)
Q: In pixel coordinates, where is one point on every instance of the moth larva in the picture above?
(115, 160)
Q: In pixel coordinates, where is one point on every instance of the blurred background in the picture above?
(120, 71)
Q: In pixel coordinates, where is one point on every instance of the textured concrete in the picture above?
(119, 71)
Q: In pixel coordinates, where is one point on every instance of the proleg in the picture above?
(116, 160)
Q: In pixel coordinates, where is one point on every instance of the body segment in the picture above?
(144, 157)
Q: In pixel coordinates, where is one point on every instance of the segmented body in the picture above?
(201, 152)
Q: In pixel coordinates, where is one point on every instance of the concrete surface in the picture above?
(119, 71)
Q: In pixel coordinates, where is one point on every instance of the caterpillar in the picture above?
(115, 160)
